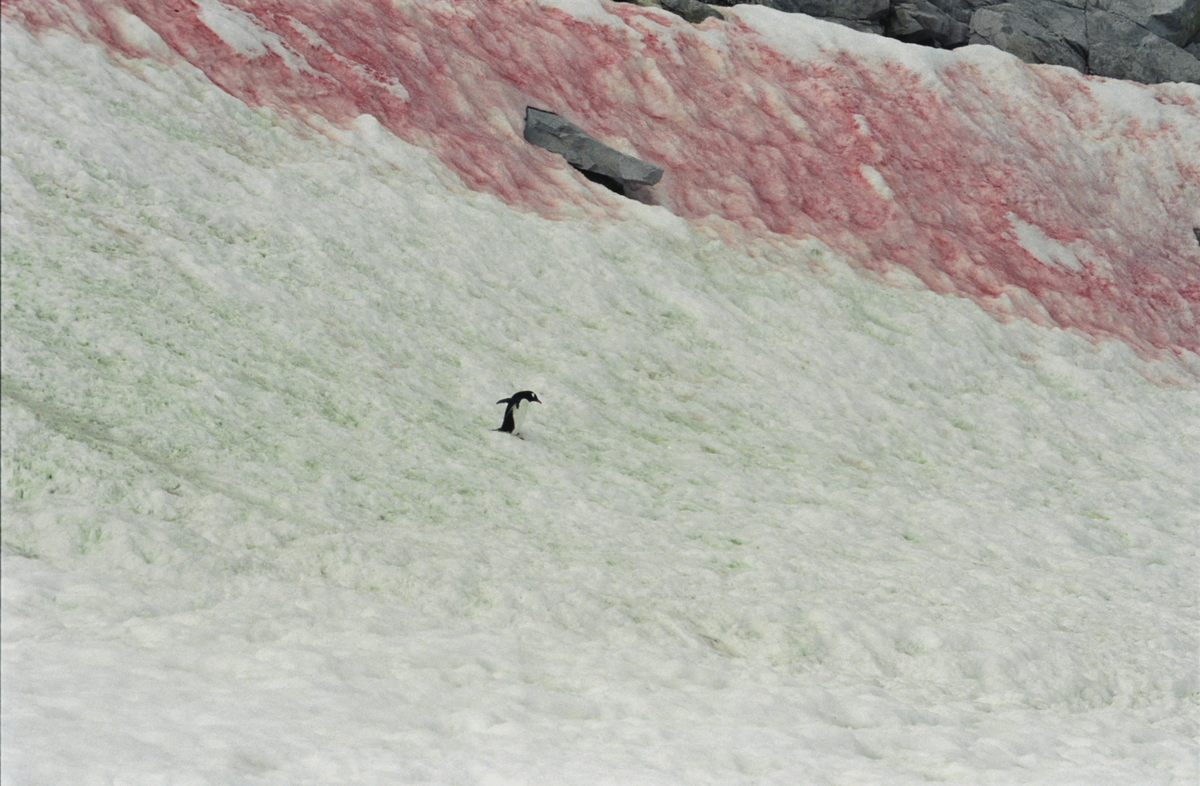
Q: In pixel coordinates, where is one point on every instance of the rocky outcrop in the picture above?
(864, 10)
(1036, 32)
(1122, 48)
(864, 15)
(1177, 21)
(922, 22)
(1142, 40)
(595, 160)
(693, 11)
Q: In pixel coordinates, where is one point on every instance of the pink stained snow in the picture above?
(1016, 186)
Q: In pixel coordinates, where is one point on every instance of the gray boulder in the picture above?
(1123, 49)
(693, 11)
(959, 10)
(1035, 32)
(597, 161)
(861, 25)
(1177, 21)
(1142, 40)
(1068, 20)
(833, 10)
(922, 22)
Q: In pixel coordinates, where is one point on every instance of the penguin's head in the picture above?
(526, 395)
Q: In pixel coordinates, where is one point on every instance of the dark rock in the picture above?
(1066, 20)
(833, 10)
(597, 161)
(1123, 49)
(959, 10)
(1177, 21)
(1142, 40)
(922, 22)
(1027, 30)
(693, 11)
(1196, 232)
(858, 24)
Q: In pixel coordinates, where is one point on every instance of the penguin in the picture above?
(514, 413)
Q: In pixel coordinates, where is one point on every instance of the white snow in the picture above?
(138, 34)
(243, 34)
(877, 180)
(803, 37)
(774, 523)
(1075, 256)
(591, 10)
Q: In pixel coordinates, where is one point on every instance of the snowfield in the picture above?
(791, 512)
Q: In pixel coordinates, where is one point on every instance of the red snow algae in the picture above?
(864, 154)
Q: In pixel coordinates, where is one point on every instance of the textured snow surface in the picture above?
(766, 121)
(776, 522)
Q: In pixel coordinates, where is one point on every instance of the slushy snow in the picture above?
(777, 521)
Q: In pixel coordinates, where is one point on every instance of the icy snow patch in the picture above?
(242, 33)
(589, 10)
(877, 181)
(139, 34)
(1050, 252)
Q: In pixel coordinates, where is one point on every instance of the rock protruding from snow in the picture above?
(693, 11)
(596, 160)
(864, 15)
(865, 10)
(922, 22)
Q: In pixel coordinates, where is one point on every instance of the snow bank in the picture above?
(892, 155)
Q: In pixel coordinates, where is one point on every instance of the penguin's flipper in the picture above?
(504, 401)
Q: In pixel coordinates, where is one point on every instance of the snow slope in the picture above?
(788, 514)
(944, 164)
